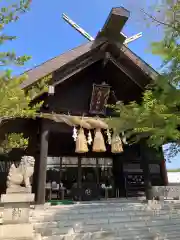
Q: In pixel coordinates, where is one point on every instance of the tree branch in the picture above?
(158, 21)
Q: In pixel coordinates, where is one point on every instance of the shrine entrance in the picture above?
(79, 178)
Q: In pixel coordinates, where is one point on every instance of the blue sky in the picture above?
(43, 34)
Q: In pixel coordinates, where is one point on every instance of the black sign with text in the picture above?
(99, 98)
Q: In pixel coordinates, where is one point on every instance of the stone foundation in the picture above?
(15, 220)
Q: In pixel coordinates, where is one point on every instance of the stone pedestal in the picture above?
(16, 224)
(16, 207)
(17, 232)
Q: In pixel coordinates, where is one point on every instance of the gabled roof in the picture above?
(60, 61)
(139, 62)
(110, 34)
(56, 63)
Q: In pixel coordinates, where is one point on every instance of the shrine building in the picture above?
(73, 147)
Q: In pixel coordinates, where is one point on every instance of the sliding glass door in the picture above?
(69, 174)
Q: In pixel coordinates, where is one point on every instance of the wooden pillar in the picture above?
(162, 163)
(164, 175)
(41, 184)
(144, 150)
(35, 176)
(33, 150)
(98, 179)
(60, 170)
(97, 172)
(147, 181)
(79, 180)
(119, 177)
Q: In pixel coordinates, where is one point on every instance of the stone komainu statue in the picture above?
(21, 175)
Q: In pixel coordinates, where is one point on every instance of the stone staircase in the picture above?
(112, 219)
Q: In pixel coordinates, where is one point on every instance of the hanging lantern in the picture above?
(116, 144)
(98, 144)
(51, 90)
(81, 143)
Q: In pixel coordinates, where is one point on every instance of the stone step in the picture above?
(130, 235)
(172, 234)
(95, 219)
(164, 229)
(95, 205)
(106, 216)
(99, 209)
(165, 232)
(107, 220)
(85, 208)
(88, 235)
(59, 228)
(100, 235)
(125, 221)
(102, 224)
(85, 237)
(116, 236)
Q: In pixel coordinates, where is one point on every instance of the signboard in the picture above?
(154, 168)
(132, 168)
(99, 98)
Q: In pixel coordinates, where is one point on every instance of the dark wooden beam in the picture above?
(73, 69)
(78, 68)
(145, 161)
(79, 178)
(106, 59)
(142, 65)
(128, 73)
(52, 65)
(114, 25)
(164, 172)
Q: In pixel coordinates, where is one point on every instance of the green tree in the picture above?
(14, 101)
(158, 116)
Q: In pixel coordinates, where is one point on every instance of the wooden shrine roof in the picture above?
(110, 34)
(56, 63)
